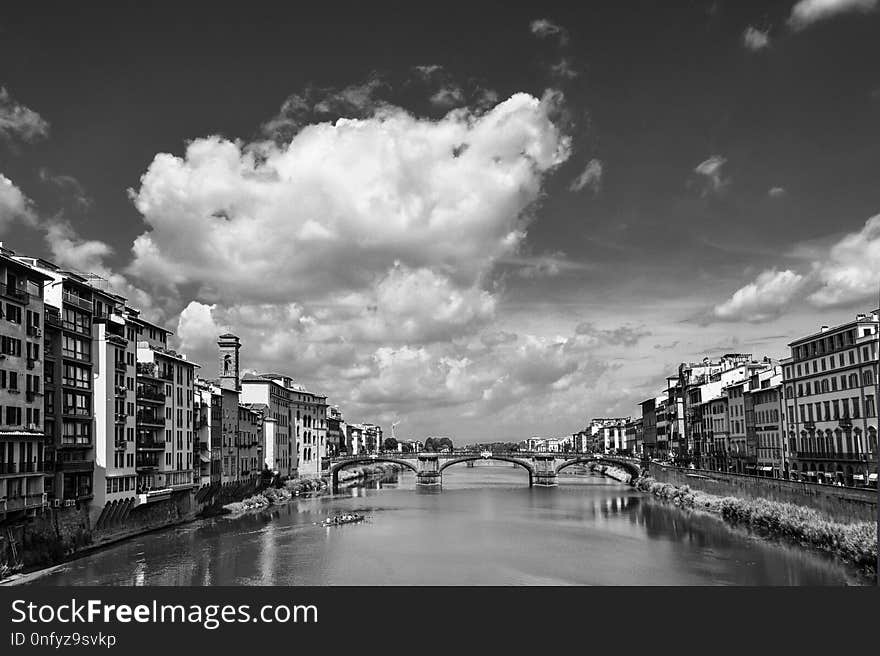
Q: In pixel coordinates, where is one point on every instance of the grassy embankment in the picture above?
(297, 486)
(854, 543)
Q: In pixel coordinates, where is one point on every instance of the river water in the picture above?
(485, 527)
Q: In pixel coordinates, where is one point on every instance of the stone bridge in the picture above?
(543, 468)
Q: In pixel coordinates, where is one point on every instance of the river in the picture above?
(485, 527)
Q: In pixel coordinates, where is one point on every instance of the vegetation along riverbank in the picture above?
(298, 486)
(855, 543)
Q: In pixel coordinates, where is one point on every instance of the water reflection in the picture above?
(484, 526)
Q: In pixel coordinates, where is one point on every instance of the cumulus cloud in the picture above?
(764, 299)
(14, 206)
(776, 192)
(808, 12)
(850, 272)
(246, 222)
(90, 256)
(710, 171)
(20, 121)
(845, 274)
(755, 39)
(590, 177)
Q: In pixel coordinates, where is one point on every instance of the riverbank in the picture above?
(854, 543)
(611, 472)
(298, 486)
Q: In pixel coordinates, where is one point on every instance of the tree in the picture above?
(390, 444)
(429, 444)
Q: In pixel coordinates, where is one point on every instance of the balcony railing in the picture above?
(82, 329)
(78, 440)
(121, 366)
(75, 465)
(54, 319)
(72, 411)
(837, 455)
(149, 394)
(15, 294)
(120, 390)
(150, 419)
(150, 444)
(23, 502)
(78, 301)
(76, 355)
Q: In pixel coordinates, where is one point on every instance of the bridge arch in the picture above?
(339, 466)
(516, 461)
(629, 467)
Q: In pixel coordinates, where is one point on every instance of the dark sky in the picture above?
(653, 91)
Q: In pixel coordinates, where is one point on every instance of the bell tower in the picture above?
(228, 364)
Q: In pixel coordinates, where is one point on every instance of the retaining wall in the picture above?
(843, 504)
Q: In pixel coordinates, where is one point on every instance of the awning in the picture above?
(766, 468)
(872, 477)
(860, 477)
(204, 457)
(809, 473)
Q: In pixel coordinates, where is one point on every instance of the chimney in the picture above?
(824, 329)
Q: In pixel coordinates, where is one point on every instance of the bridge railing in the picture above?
(507, 454)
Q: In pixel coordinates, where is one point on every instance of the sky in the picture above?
(480, 221)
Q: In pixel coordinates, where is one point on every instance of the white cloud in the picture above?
(18, 120)
(263, 221)
(543, 27)
(763, 299)
(591, 177)
(70, 250)
(14, 205)
(755, 39)
(564, 69)
(448, 96)
(807, 12)
(710, 170)
(776, 192)
(844, 274)
(851, 271)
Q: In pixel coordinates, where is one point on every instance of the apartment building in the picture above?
(249, 444)
(82, 340)
(23, 456)
(310, 422)
(165, 424)
(736, 437)
(765, 429)
(355, 439)
(830, 382)
(633, 437)
(208, 458)
(270, 393)
(335, 431)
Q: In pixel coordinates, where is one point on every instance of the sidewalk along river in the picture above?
(485, 526)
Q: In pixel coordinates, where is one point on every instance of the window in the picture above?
(13, 313)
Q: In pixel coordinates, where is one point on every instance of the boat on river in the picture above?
(338, 520)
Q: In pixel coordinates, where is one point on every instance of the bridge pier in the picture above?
(545, 470)
(429, 469)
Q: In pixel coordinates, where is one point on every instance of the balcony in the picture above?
(77, 327)
(53, 319)
(149, 419)
(120, 390)
(120, 444)
(78, 441)
(77, 301)
(79, 413)
(25, 502)
(34, 331)
(15, 294)
(76, 355)
(147, 462)
(842, 456)
(75, 465)
(150, 394)
(150, 445)
(120, 417)
(148, 370)
(121, 366)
